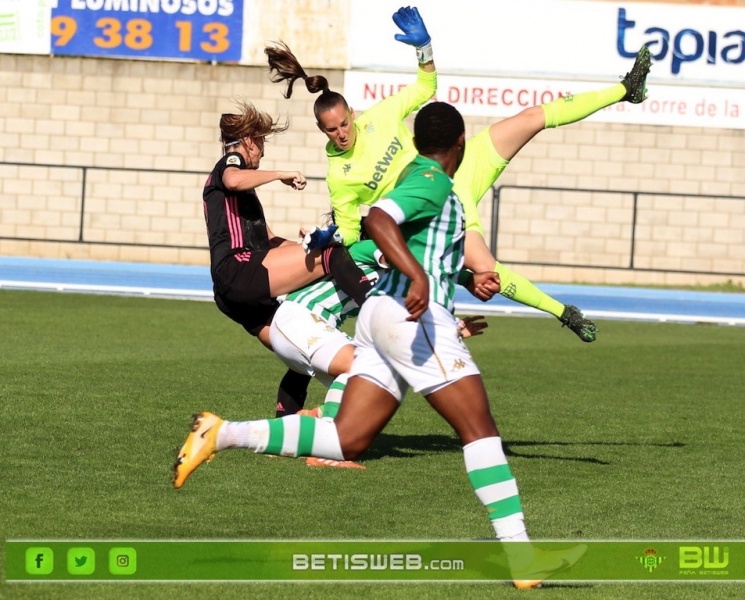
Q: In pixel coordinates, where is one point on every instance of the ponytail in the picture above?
(284, 66)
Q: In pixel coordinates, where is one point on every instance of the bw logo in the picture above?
(347, 167)
(708, 557)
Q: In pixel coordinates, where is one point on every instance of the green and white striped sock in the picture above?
(495, 486)
(332, 401)
(293, 435)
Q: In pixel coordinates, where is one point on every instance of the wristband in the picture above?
(424, 53)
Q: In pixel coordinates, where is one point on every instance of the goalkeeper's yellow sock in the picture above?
(518, 288)
(570, 109)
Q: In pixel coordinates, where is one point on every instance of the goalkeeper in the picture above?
(367, 154)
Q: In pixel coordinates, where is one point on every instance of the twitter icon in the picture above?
(81, 561)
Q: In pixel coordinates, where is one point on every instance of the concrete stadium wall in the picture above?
(58, 114)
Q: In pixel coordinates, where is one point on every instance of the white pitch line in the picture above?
(485, 309)
(460, 307)
(109, 289)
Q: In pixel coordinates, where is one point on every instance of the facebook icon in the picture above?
(39, 561)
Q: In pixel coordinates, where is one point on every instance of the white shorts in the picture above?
(305, 341)
(396, 354)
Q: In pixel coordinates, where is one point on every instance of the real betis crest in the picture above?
(649, 560)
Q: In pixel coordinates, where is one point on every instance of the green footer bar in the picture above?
(372, 560)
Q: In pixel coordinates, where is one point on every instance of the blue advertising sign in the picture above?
(186, 29)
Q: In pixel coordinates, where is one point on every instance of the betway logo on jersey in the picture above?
(381, 167)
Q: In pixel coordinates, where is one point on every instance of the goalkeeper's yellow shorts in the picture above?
(481, 167)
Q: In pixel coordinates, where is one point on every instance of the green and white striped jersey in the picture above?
(327, 300)
(431, 219)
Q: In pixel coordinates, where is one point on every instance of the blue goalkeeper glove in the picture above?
(321, 238)
(412, 25)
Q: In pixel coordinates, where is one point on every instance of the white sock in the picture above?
(293, 435)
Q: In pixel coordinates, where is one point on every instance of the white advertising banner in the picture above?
(503, 97)
(559, 39)
(25, 26)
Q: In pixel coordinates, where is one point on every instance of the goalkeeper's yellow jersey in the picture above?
(384, 146)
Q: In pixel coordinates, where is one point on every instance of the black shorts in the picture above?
(242, 291)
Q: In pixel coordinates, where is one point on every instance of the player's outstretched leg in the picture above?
(200, 446)
(570, 109)
(294, 435)
(518, 288)
(635, 80)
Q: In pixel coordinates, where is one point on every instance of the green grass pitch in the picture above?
(636, 436)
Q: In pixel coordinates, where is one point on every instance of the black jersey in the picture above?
(235, 220)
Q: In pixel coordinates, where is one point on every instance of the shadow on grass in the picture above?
(406, 446)
(509, 449)
(388, 445)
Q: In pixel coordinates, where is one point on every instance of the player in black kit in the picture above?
(250, 266)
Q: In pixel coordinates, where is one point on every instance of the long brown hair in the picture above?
(284, 66)
(249, 123)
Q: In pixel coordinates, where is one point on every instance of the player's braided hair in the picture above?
(284, 66)
(249, 123)
(437, 127)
